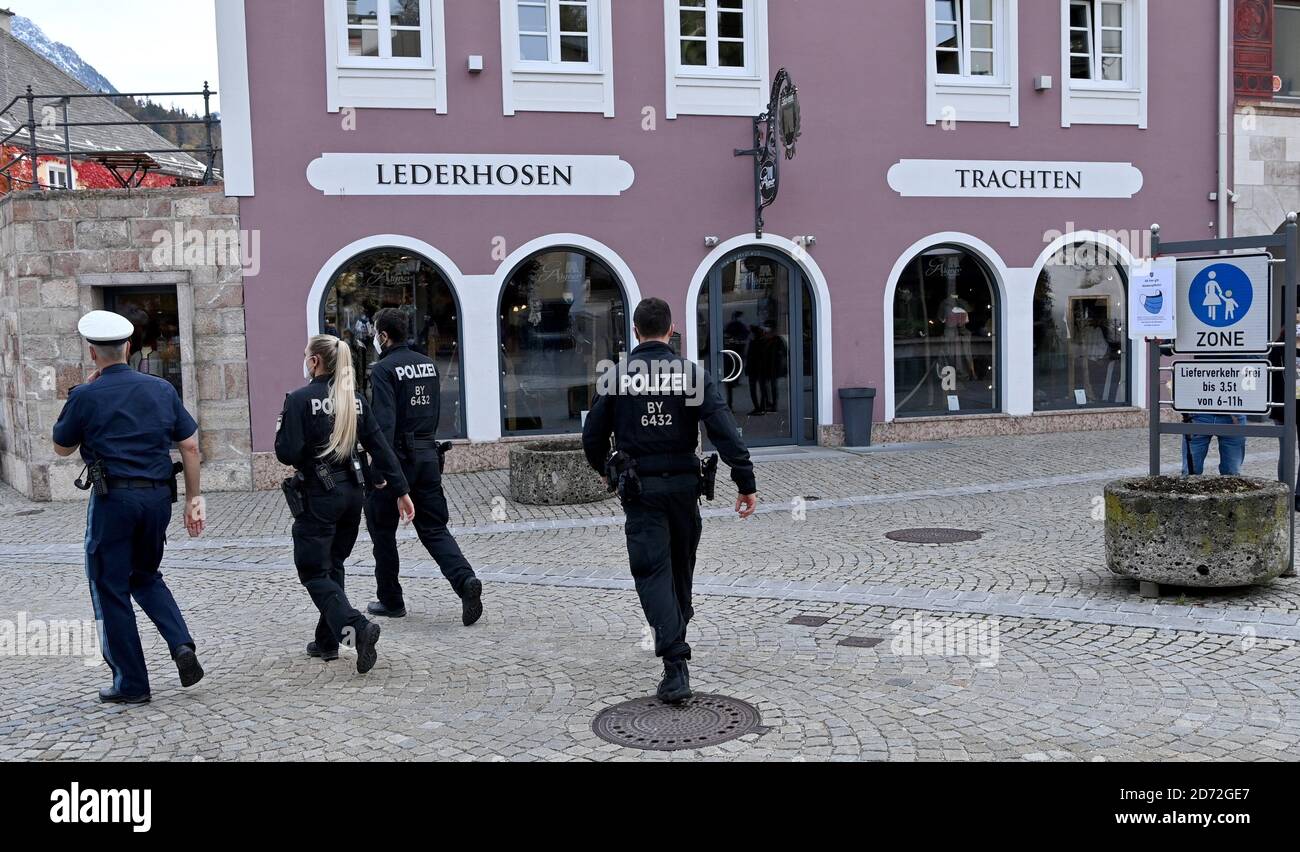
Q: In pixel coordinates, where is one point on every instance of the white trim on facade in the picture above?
(386, 84)
(236, 104)
(559, 86)
(1100, 102)
(1015, 311)
(950, 98)
(1137, 351)
(689, 314)
(1015, 316)
(713, 91)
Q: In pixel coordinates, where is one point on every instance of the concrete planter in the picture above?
(1199, 532)
(553, 473)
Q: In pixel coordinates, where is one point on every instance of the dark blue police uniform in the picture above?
(129, 421)
(405, 393)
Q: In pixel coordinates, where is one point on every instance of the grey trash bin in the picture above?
(857, 405)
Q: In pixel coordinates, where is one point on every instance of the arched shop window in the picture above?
(1081, 351)
(946, 342)
(562, 312)
(397, 278)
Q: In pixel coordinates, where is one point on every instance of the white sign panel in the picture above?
(1223, 305)
(1013, 179)
(469, 174)
(1221, 387)
(1151, 299)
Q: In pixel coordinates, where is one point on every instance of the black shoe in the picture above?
(313, 650)
(367, 656)
(378, 608)
(471, 600)
(112, 696)
(676, 685)
(187, 663)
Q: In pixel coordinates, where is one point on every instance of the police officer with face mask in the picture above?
(653, 405)
(317, 434)
(405, 395)
(125, 424)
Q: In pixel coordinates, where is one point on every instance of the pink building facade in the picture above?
(972, 180)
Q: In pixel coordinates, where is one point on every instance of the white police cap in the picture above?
(105, 327)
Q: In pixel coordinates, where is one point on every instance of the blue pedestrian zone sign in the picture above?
(1223, 305)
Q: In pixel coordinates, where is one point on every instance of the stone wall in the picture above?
(59, 253)
(1267, 167)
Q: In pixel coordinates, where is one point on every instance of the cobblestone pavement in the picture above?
(1077, 666)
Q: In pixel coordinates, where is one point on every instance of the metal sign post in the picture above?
(780, 126)
(1287, 241)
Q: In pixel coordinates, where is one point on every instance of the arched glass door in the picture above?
(756, 325)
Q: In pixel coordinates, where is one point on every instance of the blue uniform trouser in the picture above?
(663, 533)
(125, 534)
(1232, 451)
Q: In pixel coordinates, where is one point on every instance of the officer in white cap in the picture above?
(125, 424)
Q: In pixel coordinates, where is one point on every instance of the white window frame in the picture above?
(1095, 55)
(969, 97)
(51, 169)
(426, 60)
(554, 85)
(386, 82)
(1097, 101)
(717, 89)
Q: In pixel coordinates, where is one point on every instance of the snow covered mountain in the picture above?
(61, 55)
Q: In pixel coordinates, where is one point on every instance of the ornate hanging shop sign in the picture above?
(779, 127)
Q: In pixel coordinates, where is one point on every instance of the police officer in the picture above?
(125, 424)
(404, 391)
(653, 406)
(317, 434)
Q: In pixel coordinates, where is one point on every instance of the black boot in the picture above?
(676, 685)
(187, 664)
(112, 696)
(380, 609)
(313, 650)
(471, 600)
(367, 639)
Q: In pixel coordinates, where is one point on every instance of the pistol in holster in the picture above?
(709, 477)
(621, 470)
(443, 449)
(293, 495)
(177, 468)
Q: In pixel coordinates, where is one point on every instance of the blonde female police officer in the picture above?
(317, 434)
(125, 424)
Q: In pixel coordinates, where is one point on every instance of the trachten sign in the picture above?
(1014, 179)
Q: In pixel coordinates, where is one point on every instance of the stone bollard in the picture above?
(1198, 531)
(553, 473)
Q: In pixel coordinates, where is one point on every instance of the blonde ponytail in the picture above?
(336, 358)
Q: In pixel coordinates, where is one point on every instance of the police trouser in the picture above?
(323, 537)
(424, 478)
(125, 534)
(663, 532)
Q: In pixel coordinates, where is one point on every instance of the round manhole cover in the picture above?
(648, 723)
(933, 535)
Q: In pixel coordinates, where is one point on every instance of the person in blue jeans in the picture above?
(1232, 451)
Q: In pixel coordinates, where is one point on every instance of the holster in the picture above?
(293, 495)
(443, 449)
(177, 469)
(621, 471)
(709, 477)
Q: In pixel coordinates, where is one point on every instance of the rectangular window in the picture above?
(1286, 48)
(57, 177)
(156, 344)
(557, 32)
(967, 38)
(714, 35)
(390, 33)
(1098, 41)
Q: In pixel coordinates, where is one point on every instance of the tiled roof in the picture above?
(20, 67)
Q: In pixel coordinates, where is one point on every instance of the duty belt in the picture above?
(409, 441)
(115, 482)
(668, 463)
